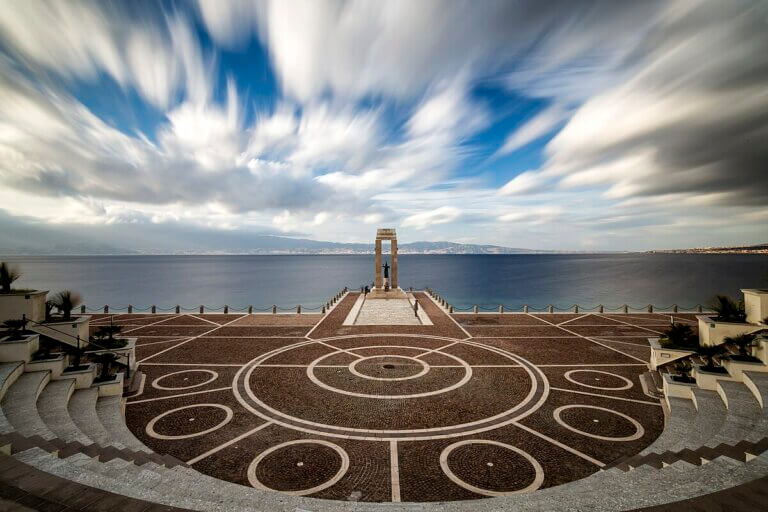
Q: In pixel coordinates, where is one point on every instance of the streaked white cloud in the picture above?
(442, 215)
(541, 124)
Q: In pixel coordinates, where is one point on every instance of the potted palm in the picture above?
(18, 303)
(743, 343)
(16, 329)
(104, 337)
(683, 369)
(8, 275)
(708, 353)
(106, 361)
(728, 310)
(65, 301)
(679, 336)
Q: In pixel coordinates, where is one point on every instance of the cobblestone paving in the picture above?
(470, 407)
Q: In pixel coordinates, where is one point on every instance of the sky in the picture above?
(565, 125)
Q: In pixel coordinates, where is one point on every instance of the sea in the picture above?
(463, 280)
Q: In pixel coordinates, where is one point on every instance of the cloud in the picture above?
(541, 124)
(422, 220)
(525, 183)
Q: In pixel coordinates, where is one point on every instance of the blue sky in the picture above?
(553, 125)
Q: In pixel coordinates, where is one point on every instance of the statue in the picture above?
(386, 276)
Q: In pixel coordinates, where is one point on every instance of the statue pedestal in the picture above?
(383, 293)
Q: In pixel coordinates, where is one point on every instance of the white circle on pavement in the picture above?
(628, 383)
(538, 478)
(353, 367)
(156, 383)
(254, 481)
(639, 430)
(150, 428)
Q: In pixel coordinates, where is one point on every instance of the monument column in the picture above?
(393, 249)
(378, 281)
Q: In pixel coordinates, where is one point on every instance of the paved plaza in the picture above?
(468, 407)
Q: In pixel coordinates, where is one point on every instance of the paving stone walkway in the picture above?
(387, 312)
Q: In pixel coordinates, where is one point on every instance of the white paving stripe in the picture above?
(606, 396)
(633, 325)
(190, 339)
(177, 396)
(228, 443)
(573, 319)
(438, 349)
(560, 445)
(394, 471)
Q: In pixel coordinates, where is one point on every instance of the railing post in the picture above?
(698, 308)
(82, 309)
(474, 309)
(575, 308)
(600, 308)
(130, 308)
(551, 308)
(226, 309)
(525, 308)
(202, 309)
(650, 308)
(274, 309)
(450, 309)
(178, 309)
(298, 309)
(250, 309)
(106, 309)
(626, 308)
(501, 308)
(674, 308)
(322, 311)
(154, 309)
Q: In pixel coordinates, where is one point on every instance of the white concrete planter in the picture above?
(708, 380)
(66, 332)
(755, 305)
(126, 355)
(19, 350)
(110, 388)
(14, 306)
(712, 332)
(736, 368)
(661, 355)
(55, 365)
(83, 378)
(760, 350)
(677, 389)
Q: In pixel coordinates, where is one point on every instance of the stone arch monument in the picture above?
(389, 287)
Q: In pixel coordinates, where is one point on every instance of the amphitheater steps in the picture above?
(82, 410)
(757, 382)
(742, 451)
(710, 417)
(110, 413)
(20, 405)
(52, 408)
(681, 415)
(9, 372)
(744, 413)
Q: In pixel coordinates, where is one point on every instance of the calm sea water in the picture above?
(513, 280)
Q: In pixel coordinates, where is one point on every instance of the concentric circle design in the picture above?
(150, 428)
(535, 484)
(254, 481)
(312, 377)
(156, 383)
(354, 371)
(627, 383)
(639, 430)
(249, 397)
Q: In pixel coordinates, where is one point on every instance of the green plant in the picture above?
(709, 352)
(683, 369)
(742, 341)
(679, 335)
(49, 305)
(65, 301)
(105, 360)
(77, 355)
(8, 275)
(728, 310)
(17, 327)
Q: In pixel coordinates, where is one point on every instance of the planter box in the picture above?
(661, 355)
(755, 305)
(14, 306)
(760, 351)
(66, 332)
(83, 378)
(54, 365)
(736, 368)
(677, 389)
(708, 380)
(127, 354)
(110, 388)
(712, 332)
(19, 350)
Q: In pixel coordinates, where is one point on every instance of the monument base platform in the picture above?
(380, 293)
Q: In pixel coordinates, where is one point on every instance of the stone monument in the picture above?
(390, 288)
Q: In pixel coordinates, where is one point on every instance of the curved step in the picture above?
(757, 382)
(110, 412)
(9, 373)
(82, 410)
(744, 413)
(52, 407)
(682, 414)
(20, 405)
(711, 414)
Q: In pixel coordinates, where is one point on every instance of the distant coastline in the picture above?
(746, 249)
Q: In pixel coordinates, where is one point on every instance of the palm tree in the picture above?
(8, 275)
(728, 310)
(742, 341)
(105, 360)
(49, 305)
(680, 335)
(105, 335)
(66, 301)
(708, 352)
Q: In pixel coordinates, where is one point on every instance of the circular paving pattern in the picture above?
(293, 467)
(596, 379)
(175, 421)
(612, 420)
(377, 367)
(187, 379)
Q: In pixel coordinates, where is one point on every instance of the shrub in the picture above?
(105, 360)
(17, 328)
(728, 310)
(709, 352)
(679, 335)
(742, 341)
(8, 275)
(65, 301)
